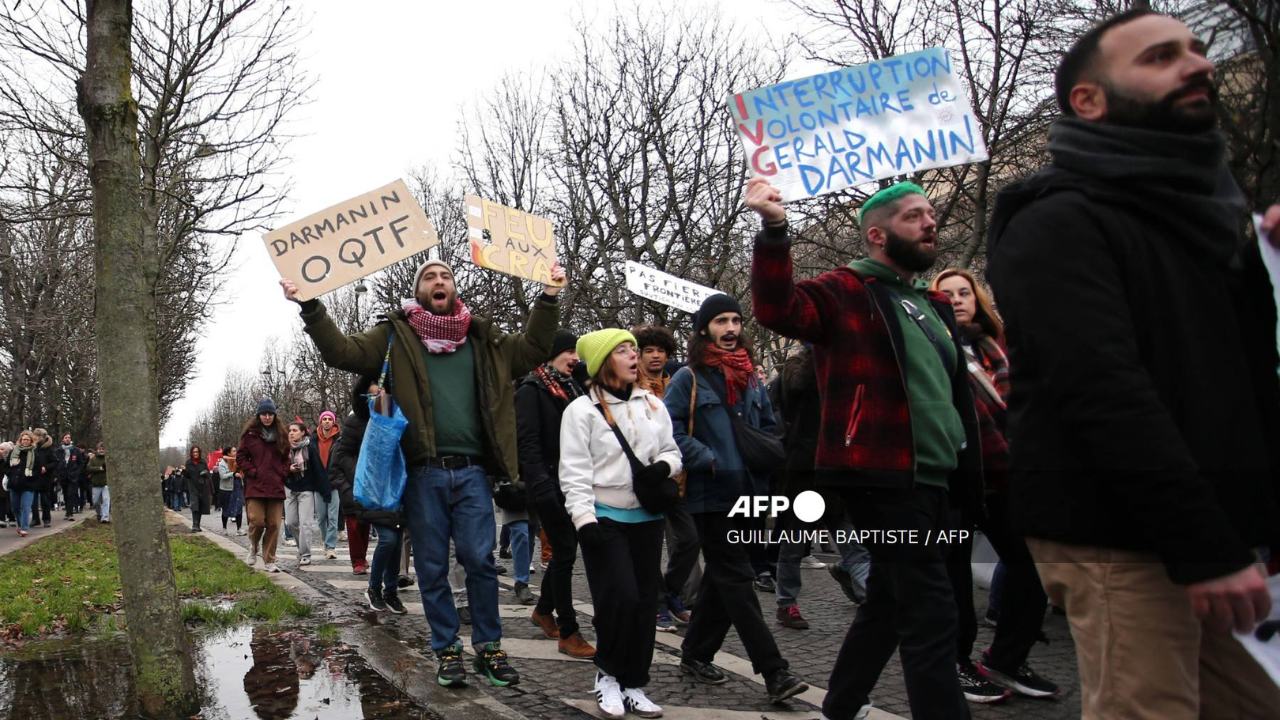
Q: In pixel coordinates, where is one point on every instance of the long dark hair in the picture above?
(698, 344)
(282, 433)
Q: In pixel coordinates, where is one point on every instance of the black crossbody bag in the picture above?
(762, 452)
(656, 496)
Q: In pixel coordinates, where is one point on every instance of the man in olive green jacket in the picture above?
(452, 376)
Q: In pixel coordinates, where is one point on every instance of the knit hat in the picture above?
(564, 342)
(328, 414)
(417, 276)
(891, 194)
(594, 347)
(266, 405)
(713, 306)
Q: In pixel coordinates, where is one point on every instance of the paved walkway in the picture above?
(11, 541)
(556, 686)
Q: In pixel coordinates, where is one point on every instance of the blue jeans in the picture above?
(327, 518)
(384, 574)
(102, 502)
(520, 549)
(20, 502)
(439, 504)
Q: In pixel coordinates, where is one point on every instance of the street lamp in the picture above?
(361, 289)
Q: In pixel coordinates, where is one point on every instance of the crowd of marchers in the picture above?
(41, 477)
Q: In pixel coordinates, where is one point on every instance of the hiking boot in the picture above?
(451, 671)
(546, 623)
(609, 697)
(492, 663)
(394, 604)
(790, 617)
(677, 609)
(1024, 682)
(765, 583)
(703, 671)
(636, 703)
(782, 685)
(845, 581)
(977, 688)
(464, 615)
(373, 596)
(664, 622)
(576, 646)
(523, 595)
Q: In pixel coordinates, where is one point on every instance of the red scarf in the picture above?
(440, 333)
(737, 367)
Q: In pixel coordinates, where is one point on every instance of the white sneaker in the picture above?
(609, 697)
(809, 562)
(305, 560)
(637, 704)
(331, 554)
(271, 567)
(241, 533)
(342, 536)
(251, 559)
(291, 542)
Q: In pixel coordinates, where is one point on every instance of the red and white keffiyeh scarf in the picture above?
(439, 333)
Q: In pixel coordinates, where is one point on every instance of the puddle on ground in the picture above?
(244, 673)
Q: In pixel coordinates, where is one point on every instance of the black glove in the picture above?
(656, 472)
(590, 535)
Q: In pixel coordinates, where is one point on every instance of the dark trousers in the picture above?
(44, 499)
(557, 580)
(624, 571)
(1022, 601)
(682, 555)
(86, 495)
(70, 497)
(910, 607)
(727, 598)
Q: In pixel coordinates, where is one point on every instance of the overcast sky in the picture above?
(391, 77)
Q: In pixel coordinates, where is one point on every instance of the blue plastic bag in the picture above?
(380, 471)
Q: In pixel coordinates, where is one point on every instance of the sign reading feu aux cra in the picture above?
(351, 240)
(510, 241)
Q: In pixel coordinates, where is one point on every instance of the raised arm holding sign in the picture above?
(510, 241)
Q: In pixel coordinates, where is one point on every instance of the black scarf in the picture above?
(1180, 177)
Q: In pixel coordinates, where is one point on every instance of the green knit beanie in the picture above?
(594, 347)
(891, 194)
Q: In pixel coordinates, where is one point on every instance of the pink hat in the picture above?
(328, 413)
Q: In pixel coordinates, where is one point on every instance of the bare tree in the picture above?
(164, 677)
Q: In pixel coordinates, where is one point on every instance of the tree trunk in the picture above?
(125, 323)
(979, 234)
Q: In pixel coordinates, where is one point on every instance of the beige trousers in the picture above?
(265, 517)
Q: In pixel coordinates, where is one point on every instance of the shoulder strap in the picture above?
(918, 315)
(386, 360)
(636, 465)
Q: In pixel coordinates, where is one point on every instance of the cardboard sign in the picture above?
(667, 289)
(351, 240)
(510, 241)
(855, 125)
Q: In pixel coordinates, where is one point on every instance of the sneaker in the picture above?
(546, 623)
(291, 542)
(665, 624)
(501, 569)
(782, 685)
(1024, 682)
(451, 671)
(342, 536)
(636, 703)
(533, 569)
(373, 597)
(394, 605)
(360, 569)
(576, 646)
(977, 688)
(271, 568)
(251, 559)
(765, 583)
(505, 552)
(330, 554)
(48, 525)
(492, 663)
(703, 671)
(304, 560)
(241, 533)
(790, 617)
(23, 533)
(609, 697)
(542, 566)
(464, 615)
(809, 562)
(677, 609)
(523, 594)
(991, 619)
(845, 581)
(404, 581)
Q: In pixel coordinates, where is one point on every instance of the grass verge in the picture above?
(70, 581)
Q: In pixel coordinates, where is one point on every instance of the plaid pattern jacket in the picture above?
(865, 438)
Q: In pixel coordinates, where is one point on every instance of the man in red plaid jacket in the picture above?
(899, 437)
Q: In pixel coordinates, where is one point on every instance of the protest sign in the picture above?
(510, 241)
(350, 240)
(850, 126)
(667, 289)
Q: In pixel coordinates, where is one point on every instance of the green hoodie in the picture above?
(935, 423)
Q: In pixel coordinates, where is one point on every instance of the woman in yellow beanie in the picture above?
(621, 540)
